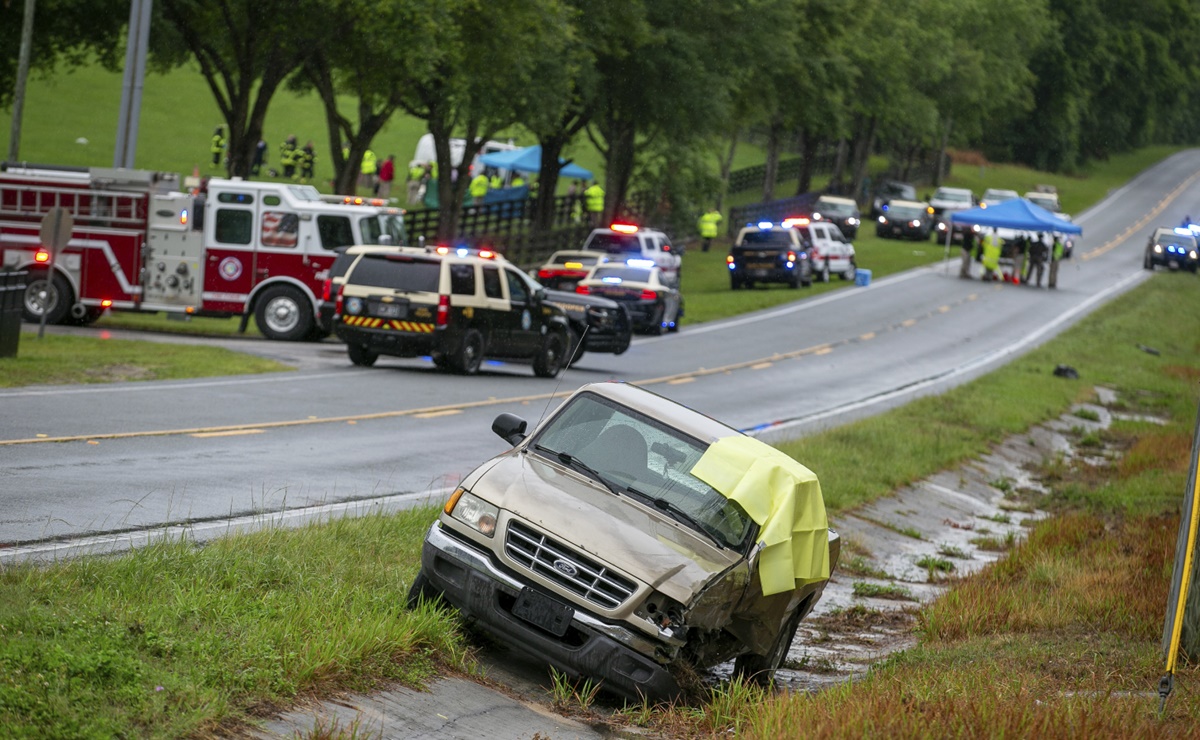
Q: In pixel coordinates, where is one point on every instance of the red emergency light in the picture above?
(622, 228)
(106, 303)
(41, 255)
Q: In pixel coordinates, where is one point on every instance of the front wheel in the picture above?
(1147, 263)
(422, 590)
(48, 293)
(850, 272)
(284, 314)
(825, 272)
(574, 348)
(760, 669)
(548, 362)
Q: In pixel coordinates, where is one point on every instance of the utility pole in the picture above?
(131, 89)
(26, 51)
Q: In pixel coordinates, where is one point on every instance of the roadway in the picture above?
(100, 466)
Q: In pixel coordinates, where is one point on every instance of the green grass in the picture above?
(175, 640)
(57, 359)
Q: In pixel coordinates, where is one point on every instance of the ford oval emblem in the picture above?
(566, 568)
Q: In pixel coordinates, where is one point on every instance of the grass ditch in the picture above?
(1060, 639)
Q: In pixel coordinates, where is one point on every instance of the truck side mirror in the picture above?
(510, 428)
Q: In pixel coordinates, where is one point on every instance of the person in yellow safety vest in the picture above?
(991, 257)
(593, 202)
(287, 156)
(416, 174)
(478, 189)
(495, 182)
(1056, 255)
(369, 167)
(217, 148)
(306, 160)
(517, 181)
(709, 225)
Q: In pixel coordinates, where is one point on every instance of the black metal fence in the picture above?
(775, 211)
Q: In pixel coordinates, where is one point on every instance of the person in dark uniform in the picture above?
(260, 157)
(1038, 253)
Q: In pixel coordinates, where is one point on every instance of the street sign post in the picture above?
(57, 225)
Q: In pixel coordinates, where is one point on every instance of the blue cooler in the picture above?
(862, 278)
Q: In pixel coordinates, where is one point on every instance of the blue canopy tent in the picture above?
(1017, 214)
(529, 159)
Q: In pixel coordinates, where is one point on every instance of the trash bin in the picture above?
(12, 295)
(862, 278)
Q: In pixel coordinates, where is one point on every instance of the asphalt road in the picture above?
(99, 465)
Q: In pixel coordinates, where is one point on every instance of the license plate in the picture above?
(896, 229)
(544, 612)
(760, 273)
(390, 310)
(760, 265)
(1173, 264)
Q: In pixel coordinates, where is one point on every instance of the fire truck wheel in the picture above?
(90, 314)
(284, 313)
(54, 295)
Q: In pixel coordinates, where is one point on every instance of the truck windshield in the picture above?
(614, 243)
(647, 458)
(376, 226)
(781, 238)
(305, 193)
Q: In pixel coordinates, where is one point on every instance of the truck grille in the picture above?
(569, 569)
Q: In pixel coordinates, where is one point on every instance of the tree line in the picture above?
(661, 87)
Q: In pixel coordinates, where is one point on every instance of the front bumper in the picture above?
(591, 648)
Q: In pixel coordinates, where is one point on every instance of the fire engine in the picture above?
(233, 248)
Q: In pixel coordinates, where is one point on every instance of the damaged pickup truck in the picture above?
(633, 540)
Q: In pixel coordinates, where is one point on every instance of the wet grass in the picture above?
(175, 640)
(58, 359)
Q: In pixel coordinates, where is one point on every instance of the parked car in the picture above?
(996, 196)
(629, 539)
(889, 190)
(905, 219)
(1174, 249)
(653, 305)
(945, 201)
(566, 267)
(624, 241)
(841, 211)
(768, 253)
(458, 306)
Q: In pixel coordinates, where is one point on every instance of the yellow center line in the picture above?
(943, 309)
(824, 351)
(436, 414)
(681, 381)
(230, 433)
(762, 366)
(908, 322)
(866, 337)
(1116, 241)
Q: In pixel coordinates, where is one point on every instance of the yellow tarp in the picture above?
(784, 498)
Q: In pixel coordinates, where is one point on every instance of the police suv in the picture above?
(769, 253)
(456, 305)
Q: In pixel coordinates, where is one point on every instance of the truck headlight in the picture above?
(473, 511)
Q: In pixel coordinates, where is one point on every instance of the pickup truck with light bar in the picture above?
(625, 241)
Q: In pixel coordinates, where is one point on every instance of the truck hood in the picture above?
(613, 528)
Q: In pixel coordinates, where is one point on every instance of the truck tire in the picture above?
(825, 272)
(850, 272)
(421, 590)
(469, 356)
(551, 358)
(361, 356)
(50, 293)
(284, 313)
(760, 669)
(574, 348)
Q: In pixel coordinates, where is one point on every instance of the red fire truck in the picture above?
(237, 248)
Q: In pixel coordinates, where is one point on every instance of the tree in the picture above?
(480, 74)
(66, 33)
(369, 50)
(245, 50)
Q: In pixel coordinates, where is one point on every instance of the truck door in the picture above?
(524, 317)
(279, 243)
(229, 238)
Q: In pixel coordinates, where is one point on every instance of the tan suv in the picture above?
(456, 305)
(628, 538)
